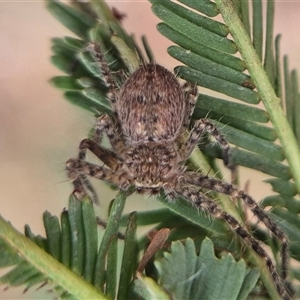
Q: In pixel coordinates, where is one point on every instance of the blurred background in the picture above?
(39, 130)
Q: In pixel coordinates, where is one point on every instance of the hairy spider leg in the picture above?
(202, 202)
(82, 185)
(228, 189)
(107, 76)
(190, 95)
(200, 127)
(108, 157)
(119, 177)
(105, 124)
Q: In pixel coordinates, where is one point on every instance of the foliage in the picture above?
(88, 269)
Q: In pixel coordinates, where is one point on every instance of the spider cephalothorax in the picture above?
(151, 113)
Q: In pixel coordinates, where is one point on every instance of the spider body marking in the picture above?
(150, 106)
(151, 112)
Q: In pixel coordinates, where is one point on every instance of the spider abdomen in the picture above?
(151, 105)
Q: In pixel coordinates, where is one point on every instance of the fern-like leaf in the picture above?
(182, 273)
(69, 264)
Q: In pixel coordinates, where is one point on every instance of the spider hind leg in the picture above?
(228, 189)
(202, 202)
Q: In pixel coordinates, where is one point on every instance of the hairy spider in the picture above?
(151, 113)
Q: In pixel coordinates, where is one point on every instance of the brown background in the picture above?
(39, 130)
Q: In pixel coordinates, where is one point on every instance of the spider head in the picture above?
(151, 165)
(151, 190)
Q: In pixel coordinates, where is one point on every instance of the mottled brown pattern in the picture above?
(151, 112)
(151, 105)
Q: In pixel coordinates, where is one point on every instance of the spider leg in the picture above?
(77, 172)
(107, 75)
(79, 179)
(77, 168)
(105, 124)
(228, 189)
(202, 202)
(191, 93)
(109, 157)
(81, 184)
(200, 127)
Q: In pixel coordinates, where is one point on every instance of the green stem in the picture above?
(46, 264)
(264, 87)
(270, 100)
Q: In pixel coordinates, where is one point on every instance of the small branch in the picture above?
(264, 87)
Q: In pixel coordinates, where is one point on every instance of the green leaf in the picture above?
(185, 275)
(90, 239)
(191, 30)
(73, 19)
(209, 67)
(183, 208)
(34, 266)
(219, 85)
(129, 258)
(207, 7)
(290, 223)
(204, 51)
(260, 77)
(77, 235)
(283, 187)
(66, 83)
(292, 204)
(66, 239)
(111, 231)
(148, 289)
(112, 268)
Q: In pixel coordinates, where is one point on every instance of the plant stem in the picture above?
(46, 264)
(269, 98)
(264, 87)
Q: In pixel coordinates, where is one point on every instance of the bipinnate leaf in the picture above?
(186, 275)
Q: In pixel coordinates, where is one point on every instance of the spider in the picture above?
(151, 112)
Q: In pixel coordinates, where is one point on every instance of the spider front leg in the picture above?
(78, 170)
(228, 189)
(191, 93)
(107, 75)
(200, 127)
(202, 202)
(105, 125)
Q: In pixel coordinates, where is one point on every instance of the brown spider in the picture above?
(151, 113)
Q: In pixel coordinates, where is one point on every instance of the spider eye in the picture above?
(139, 190)
(154, 191)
